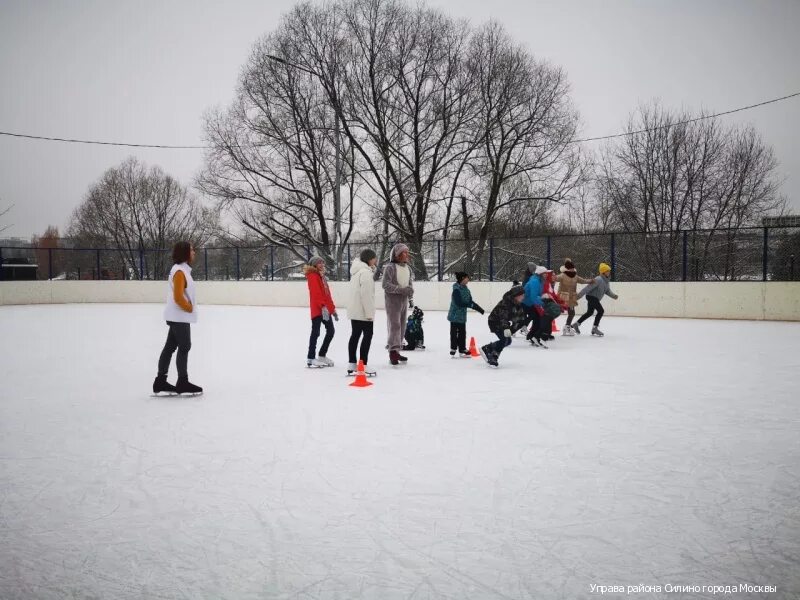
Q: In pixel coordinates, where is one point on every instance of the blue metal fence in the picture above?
(744, 254)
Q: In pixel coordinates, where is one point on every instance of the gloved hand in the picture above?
(507, 333)
(539, 310)
(326, 315)
(408, 291)
(335, 316)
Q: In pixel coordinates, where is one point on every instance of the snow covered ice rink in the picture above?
(666, 453)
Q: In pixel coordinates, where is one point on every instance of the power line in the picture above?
(701, 118)
(590, 139)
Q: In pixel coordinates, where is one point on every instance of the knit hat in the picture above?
(531, 267)
(315, 259)
(603, 268)
(517, 290)
(541, 270)
(398, 249)
(367, 255)
(461, 276)
(569, 265)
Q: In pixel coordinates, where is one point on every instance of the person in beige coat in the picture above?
(398, 289)
(568, 281)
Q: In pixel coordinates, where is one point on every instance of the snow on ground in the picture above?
(666, 453)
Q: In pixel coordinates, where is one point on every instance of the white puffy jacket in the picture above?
(361, 300)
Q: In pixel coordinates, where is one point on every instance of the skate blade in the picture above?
(163, 394)
(190, 394)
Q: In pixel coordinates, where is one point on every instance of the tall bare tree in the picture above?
(274, 157)
(675, 172)
(137, 211)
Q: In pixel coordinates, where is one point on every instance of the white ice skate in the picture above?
(597, 332)
(567, 331)
(326, 362)
(315, 363)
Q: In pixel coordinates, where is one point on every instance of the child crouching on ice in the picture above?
(460, 301)
(594, 292)
(508, 314)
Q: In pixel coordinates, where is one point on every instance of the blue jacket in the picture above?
(460, 301)
(533, 292)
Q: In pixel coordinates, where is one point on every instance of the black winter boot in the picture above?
(160, 384)
(185, 387)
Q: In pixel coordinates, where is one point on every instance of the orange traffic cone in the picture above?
(473, 350)
(361, 376)
(554, 329)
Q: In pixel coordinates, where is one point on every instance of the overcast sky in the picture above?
(145, 71)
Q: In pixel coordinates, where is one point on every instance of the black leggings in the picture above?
(570, 315)
(458, 337)
(180, 338)
(312, 341)
(532, 317)
(594, 305)
(359, 328)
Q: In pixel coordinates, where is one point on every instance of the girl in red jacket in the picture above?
(323, 311)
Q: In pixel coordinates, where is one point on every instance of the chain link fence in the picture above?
(744, 254)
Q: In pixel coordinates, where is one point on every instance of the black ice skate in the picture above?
(185, 387)
(489, 355)
(162, 386)
(597, 332)
(576, 328)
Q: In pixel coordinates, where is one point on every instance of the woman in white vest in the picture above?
(180, 312)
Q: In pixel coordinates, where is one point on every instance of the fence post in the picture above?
(97, 262)
(205, 261)
(765, 252)
(238, 268)
(549, 251)
(613, 256)
(685, 255)
(349, 259)
(1, 263)
(141, 264)
(50, 264)
(491, 259)
(439, 260)
(272, 263)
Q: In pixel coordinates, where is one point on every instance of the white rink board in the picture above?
(771, 301)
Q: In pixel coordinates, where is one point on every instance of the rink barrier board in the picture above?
(774, 301)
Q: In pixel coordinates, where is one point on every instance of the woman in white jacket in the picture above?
(361, 308)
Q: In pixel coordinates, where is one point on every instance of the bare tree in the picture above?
(526, 125)
(274, 154)
(141, 212)
(675, 173)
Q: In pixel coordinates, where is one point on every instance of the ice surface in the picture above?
(667, 452)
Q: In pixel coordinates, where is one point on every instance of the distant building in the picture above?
(785, 221)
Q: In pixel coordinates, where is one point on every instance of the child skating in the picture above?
(594, 292)
(568, 280)
(322, 312)
(460, 301)
(507, 315)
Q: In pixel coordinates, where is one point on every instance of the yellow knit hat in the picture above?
(603, 268)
